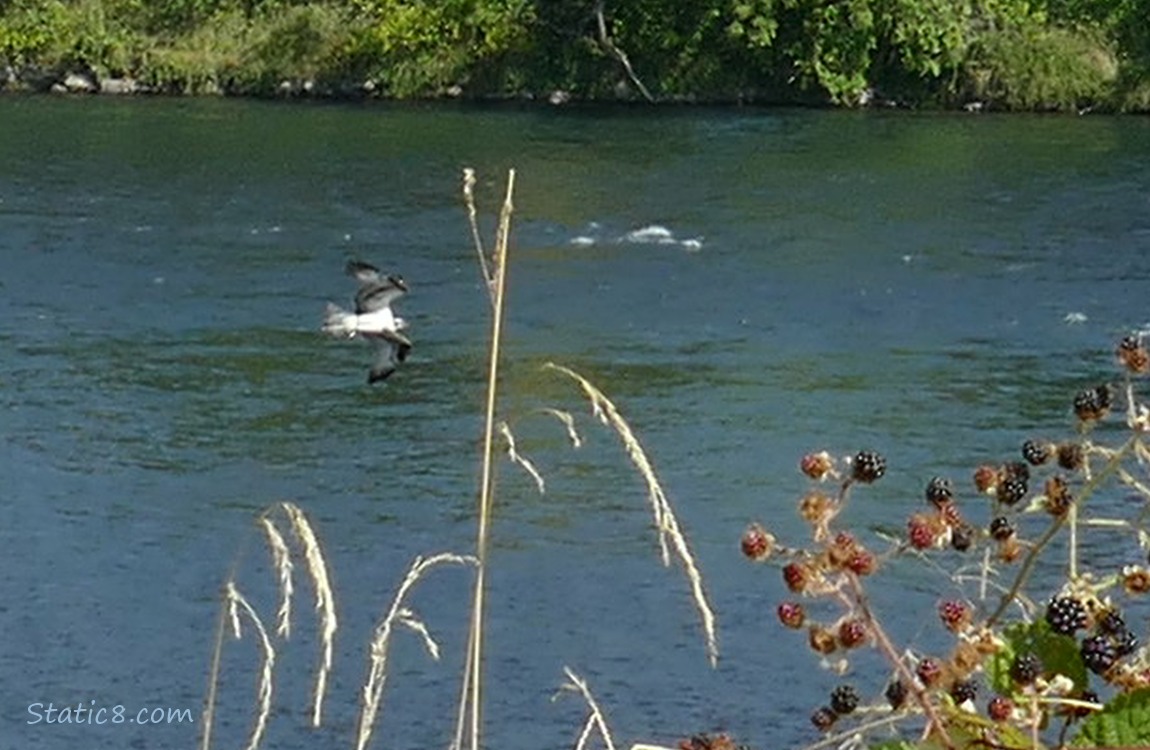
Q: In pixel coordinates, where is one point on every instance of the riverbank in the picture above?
(1000, 55)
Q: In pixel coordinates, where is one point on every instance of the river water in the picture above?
(748, 285)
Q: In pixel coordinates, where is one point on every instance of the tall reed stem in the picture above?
(473, 678)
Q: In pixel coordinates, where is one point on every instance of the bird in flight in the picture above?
(373, 318)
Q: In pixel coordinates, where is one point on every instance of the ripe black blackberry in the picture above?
(963, 691)
(1092, 403)
(938, 491)
(1125, 643)
(1016, 469)
(1001, 529)
(895, 694)
(1088, 696)
(844, 700)
(1035, 453)
(824, 718)
(1065, 614)
(868, 467)
(1070, 456)
(1026, 668)
(1011, 489)
(1097, 653)
(962, 537)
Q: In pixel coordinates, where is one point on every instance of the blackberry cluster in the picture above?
(1025, 668)
(1125, 644)
(1035, 453)
(1092, 403)
(1011, 489)
(963, 691)
(1111, 623)
(844, 700)
(938, 491)
(868, 467)
(1112, 627)
(1065, 615)
(1098, 653)
(1001, 529)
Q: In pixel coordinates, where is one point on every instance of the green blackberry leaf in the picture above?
(1125, 722)
(1058, 654)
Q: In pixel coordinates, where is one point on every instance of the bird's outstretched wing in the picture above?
(377, 295)
(392, 349)
(364, 273)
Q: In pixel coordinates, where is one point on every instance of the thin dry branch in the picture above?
(324, 601)
(380, 642)
(666, 524)
(613, 49)
(473, 220)
(569, 423)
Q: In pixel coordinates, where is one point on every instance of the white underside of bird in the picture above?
(344, 323)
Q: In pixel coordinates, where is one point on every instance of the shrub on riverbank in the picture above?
(1007, 54)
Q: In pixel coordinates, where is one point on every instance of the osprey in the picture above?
(373, 319)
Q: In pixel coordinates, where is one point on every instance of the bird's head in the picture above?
(398, 282)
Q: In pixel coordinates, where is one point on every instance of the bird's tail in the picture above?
(339, 322)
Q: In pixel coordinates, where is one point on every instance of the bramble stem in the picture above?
(887, 648)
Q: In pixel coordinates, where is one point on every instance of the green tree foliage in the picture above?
(1018, 54)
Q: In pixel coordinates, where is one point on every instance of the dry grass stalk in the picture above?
(569, 423)
(470, 698)
(236, 604)
(401, 615)
(473, 220)
(595, 720)
(518, 458)
(666, 523)
(281, 560)
(324, 601)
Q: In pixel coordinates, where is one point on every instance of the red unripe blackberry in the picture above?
(867, 467)
(1065, 615)
(1133, 355)
(1097, 653)
(929, 671)
(862, 563)
(824, 718)
(792, 615)
(963, 691)
(1036, 453)
(1010, 490)
(797, 576)
(844, 700)
(1000, 708)
(852, 633)
(1070, 456)
(962, 537)
(985, 478)
(920, 531)
(1093, 403)
(938, 491)
(757, 544)
(1026, 668)
(895, 694)
(817, 465)
(1001, 529)
(955, 615)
